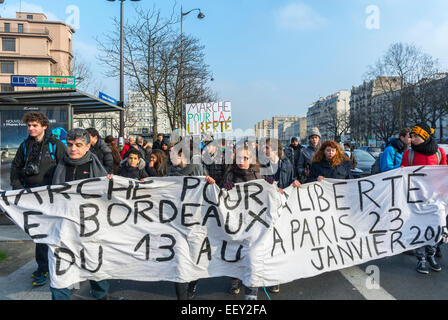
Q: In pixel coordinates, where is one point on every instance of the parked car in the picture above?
(364, 161)
(374, 151)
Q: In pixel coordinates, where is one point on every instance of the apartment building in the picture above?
(31, 45)
(330, 115)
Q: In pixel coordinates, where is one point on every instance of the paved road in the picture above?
(397, 278)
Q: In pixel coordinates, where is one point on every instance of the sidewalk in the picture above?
(15, 271)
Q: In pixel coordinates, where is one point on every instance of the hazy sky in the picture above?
(271, 57)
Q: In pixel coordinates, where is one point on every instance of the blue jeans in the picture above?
(99, 290)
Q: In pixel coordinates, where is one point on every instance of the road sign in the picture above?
(107, 98)
(43, 81)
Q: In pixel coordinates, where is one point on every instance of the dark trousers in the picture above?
(41, 254)
(182, 289)
(425, 251)
(99, 290)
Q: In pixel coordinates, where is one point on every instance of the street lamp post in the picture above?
(182, 14)
(121, 102)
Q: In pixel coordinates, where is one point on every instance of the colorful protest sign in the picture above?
(209, 118)
(182, 229)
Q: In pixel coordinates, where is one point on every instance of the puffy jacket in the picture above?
(423, 160)
(324, 169)
(394, 150)
(104, 153)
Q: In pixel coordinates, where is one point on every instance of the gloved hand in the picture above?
(269, 180)
(229, 186)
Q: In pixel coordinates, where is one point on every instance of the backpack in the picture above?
(376, 167)
(411, 157)
(60, 134)
(51, 147)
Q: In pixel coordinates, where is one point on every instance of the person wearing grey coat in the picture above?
(307, 155)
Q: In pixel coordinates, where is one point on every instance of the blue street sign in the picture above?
(107, 98)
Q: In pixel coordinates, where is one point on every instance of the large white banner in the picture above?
(182, 229)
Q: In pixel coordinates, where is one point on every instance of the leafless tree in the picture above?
(152, 62)
(337, 123)
(403, 65)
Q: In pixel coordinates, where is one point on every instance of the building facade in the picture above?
(141, 116)
(31, 45)
(331, 115)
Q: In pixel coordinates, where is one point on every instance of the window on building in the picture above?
(7, 27)
(9, 44)
(7, 66)
(29, 16)
(6, 87)
(20, 28)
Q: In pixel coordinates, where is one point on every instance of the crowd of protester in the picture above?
(42, 160)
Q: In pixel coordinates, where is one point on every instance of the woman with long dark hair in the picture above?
(157, 166)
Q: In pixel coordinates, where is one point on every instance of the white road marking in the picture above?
(358, 278)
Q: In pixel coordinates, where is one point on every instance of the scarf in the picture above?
(34, 148)
(244, 175)
(428, 148)
(97, 169)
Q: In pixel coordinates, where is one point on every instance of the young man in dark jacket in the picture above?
(307, 154)
(158, 143)
(293, 154)
(33, 166)
(79, 163)
(101, 149)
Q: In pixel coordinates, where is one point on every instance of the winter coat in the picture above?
(157, 145)
(192, 169)
(47, 165)
(393, 150)
(284, 175)
(293, 154)
(104, 153)
(305, 161)
(127, 171)
(162, 172)
(235, 174)
(324, 169)
(217, 169)
(424, 160)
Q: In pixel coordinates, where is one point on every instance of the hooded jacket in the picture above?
(392, 155)
(127, 171)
